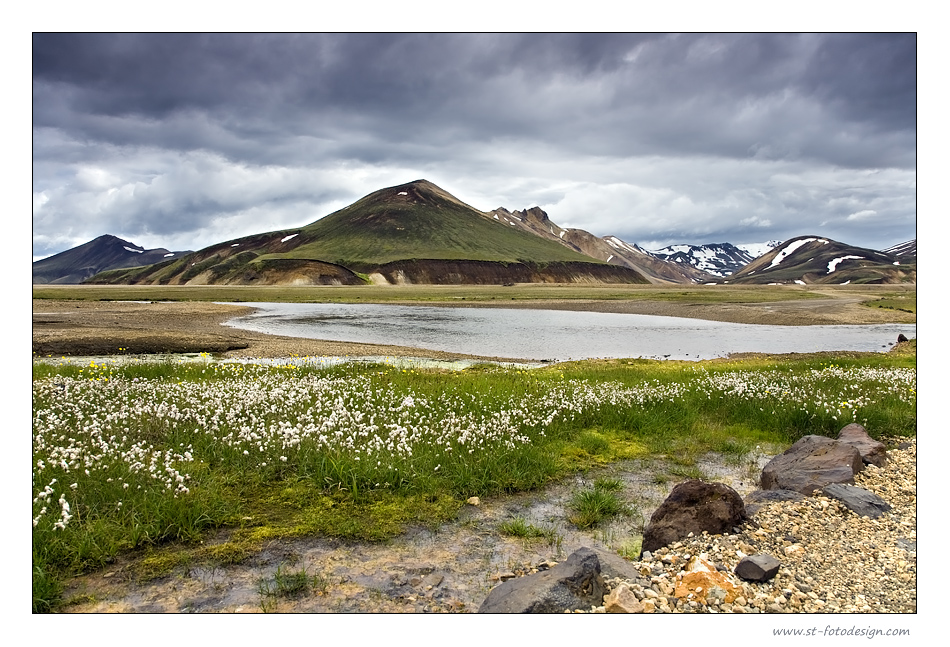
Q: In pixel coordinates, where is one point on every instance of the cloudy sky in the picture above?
(181, 141)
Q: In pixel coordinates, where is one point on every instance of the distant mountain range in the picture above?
(106, 252)
(814, 259)
(718, 259)
(419, 233)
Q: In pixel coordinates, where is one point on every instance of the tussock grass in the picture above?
(595, 505)
(148, 460)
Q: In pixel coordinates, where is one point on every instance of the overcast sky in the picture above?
(182, 141)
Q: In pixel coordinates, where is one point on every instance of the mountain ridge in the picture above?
(418, 226)
(105, 252)
(807, 260)
(413, 231)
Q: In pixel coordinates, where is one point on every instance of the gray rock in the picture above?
(810, 464)
(694, 506)
(575, 583)
(907, 544)
(872, 452)
(757, 568)
(858, 500)
(613, 565)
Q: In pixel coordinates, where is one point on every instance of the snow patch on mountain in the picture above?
(718, 259)
(833, 264)
(758, 249)
(791, 248)
(910, 247)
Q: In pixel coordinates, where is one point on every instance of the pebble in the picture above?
(833, 561)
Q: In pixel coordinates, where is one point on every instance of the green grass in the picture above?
(289, 584)
(904, 302)
(238, 448)
(519, 527)
(452, 294)
(591, 507)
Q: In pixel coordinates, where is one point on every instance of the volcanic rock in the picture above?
(757, 568)
(575, 583)
(694, 506)
(858, 500)
(810, 464)
(872, 452)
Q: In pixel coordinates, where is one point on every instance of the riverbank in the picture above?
(833, 561)
(92, 327)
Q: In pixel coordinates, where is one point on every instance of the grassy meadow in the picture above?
(147, 459)
(885, 296)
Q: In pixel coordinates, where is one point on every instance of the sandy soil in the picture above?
(117, 327)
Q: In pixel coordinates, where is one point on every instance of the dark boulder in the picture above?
(692, 507)
(810, 464)
(757, 568)
(872, 452)
(575, 583)
(860, 501)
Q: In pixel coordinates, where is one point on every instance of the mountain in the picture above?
(608, 249)
(718, 259)
(906, 252)
(103, 253)
(411, 233)
(814, 259)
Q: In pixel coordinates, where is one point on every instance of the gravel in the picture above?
(832, 560)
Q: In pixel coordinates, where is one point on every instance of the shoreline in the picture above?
(85, 328)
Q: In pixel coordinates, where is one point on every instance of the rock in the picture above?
(702, 581)
(810, 464)
(575, 583)
(757, 568)
(693, 506)
(622, 600)
(858, 500)
(613, 565)
(901, 338)
(872, 452)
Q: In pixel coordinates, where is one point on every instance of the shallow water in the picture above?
(448, 569)
(555, 335)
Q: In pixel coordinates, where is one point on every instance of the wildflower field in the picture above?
(130, 457)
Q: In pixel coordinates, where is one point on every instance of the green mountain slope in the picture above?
(418, 221)
(430, 236)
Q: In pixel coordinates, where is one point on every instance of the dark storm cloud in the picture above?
(178, 127)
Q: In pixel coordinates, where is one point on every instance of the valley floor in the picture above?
(87, 327)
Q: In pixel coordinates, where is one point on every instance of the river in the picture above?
(556, 335)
